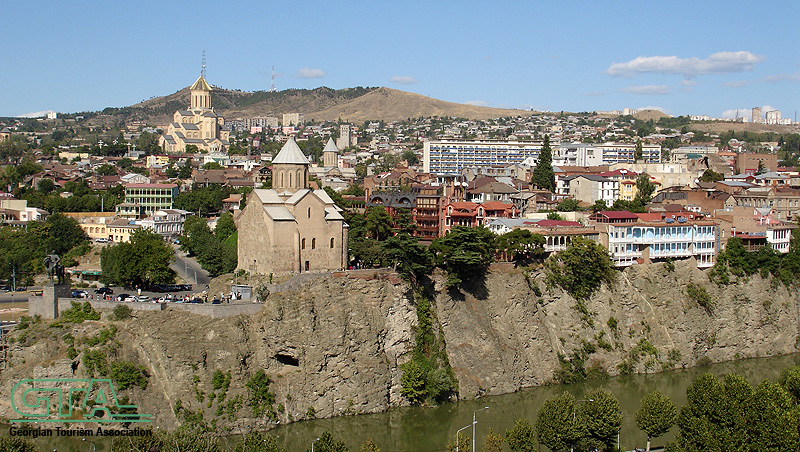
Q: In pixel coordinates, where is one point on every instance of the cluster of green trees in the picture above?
(204, 200)
(727, 414)
(736, 261)
(22, 250)
(139, 263)
(216, 251)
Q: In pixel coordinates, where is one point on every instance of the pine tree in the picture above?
(543, 176)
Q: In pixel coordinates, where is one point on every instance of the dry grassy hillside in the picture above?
(393, 105)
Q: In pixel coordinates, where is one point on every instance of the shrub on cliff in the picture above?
(580, 269)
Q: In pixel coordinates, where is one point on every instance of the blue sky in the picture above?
(699, 57)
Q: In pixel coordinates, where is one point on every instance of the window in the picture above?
(313, 243)
(303, 244)
(309, 212)
(331, 242)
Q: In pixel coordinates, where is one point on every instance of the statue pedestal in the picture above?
(51, 292)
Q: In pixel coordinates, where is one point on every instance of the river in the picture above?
(430, 429)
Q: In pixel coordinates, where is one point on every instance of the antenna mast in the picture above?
(272, 87)
(203, 70)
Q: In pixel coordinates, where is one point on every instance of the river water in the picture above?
(430, 429)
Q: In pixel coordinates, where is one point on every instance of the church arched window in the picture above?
(313, 243)
(298, 178)
(303, 244)
(309, 212)
(331, 242)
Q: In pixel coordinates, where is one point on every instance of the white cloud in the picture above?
(717, 63)
(477, 103)
(656, 107)
(403, 80)
(774, 78)
(35, 114)
(652, 90)
(310, 73)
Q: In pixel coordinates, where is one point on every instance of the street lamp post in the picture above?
(475, 421)
(574, 416)
(312, 444)
(459, 431)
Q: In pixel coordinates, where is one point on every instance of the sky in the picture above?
(699, 57)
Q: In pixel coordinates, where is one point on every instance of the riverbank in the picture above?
(417, 429)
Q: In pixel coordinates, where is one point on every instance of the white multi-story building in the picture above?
(577, 154)
(625, 153)
(773, 117)
(452, 156)
(627, 243)
(168, 223)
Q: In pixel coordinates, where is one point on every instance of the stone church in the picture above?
(199, 125)
(291, 228)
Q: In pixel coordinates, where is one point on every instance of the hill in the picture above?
(393, 105)
(320, 104)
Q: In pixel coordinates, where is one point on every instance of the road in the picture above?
(189, 269)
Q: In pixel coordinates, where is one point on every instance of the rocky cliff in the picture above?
(333, 346)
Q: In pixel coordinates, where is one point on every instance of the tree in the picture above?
(599, 205)
(656, 415)
(410, 157)
(772, 419)
(409, 257)
(413, 382)
(139, 263)
(46, 185)
(710, 175)
(644, 189)
(225, 226)
(368, 445)
(465, 253)
(328, 443)
(543, 176)
(568, 205)
(148, 143)
(212, 166)
(460, 443)
(761, 168)
(601, 420)
(790, 380)
(379, 223)
(581, 268)
(556, 422)
(17, 444)
(258, 442)
(637, 151)
(522, 246)
(521, 437)
(492, 442)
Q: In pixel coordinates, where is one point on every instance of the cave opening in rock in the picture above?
(287, 359)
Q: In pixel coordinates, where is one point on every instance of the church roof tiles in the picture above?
(291, 154)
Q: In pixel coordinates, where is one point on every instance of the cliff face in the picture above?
(334, 345)
(513, 338)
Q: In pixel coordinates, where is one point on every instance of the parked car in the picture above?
(104, 291)
(101, 240)
(5, 288)
(80, 294)
(124, 297)
(196, 300)
(142, 298)
(216, 301)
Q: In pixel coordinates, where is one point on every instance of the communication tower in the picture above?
(272, 87)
